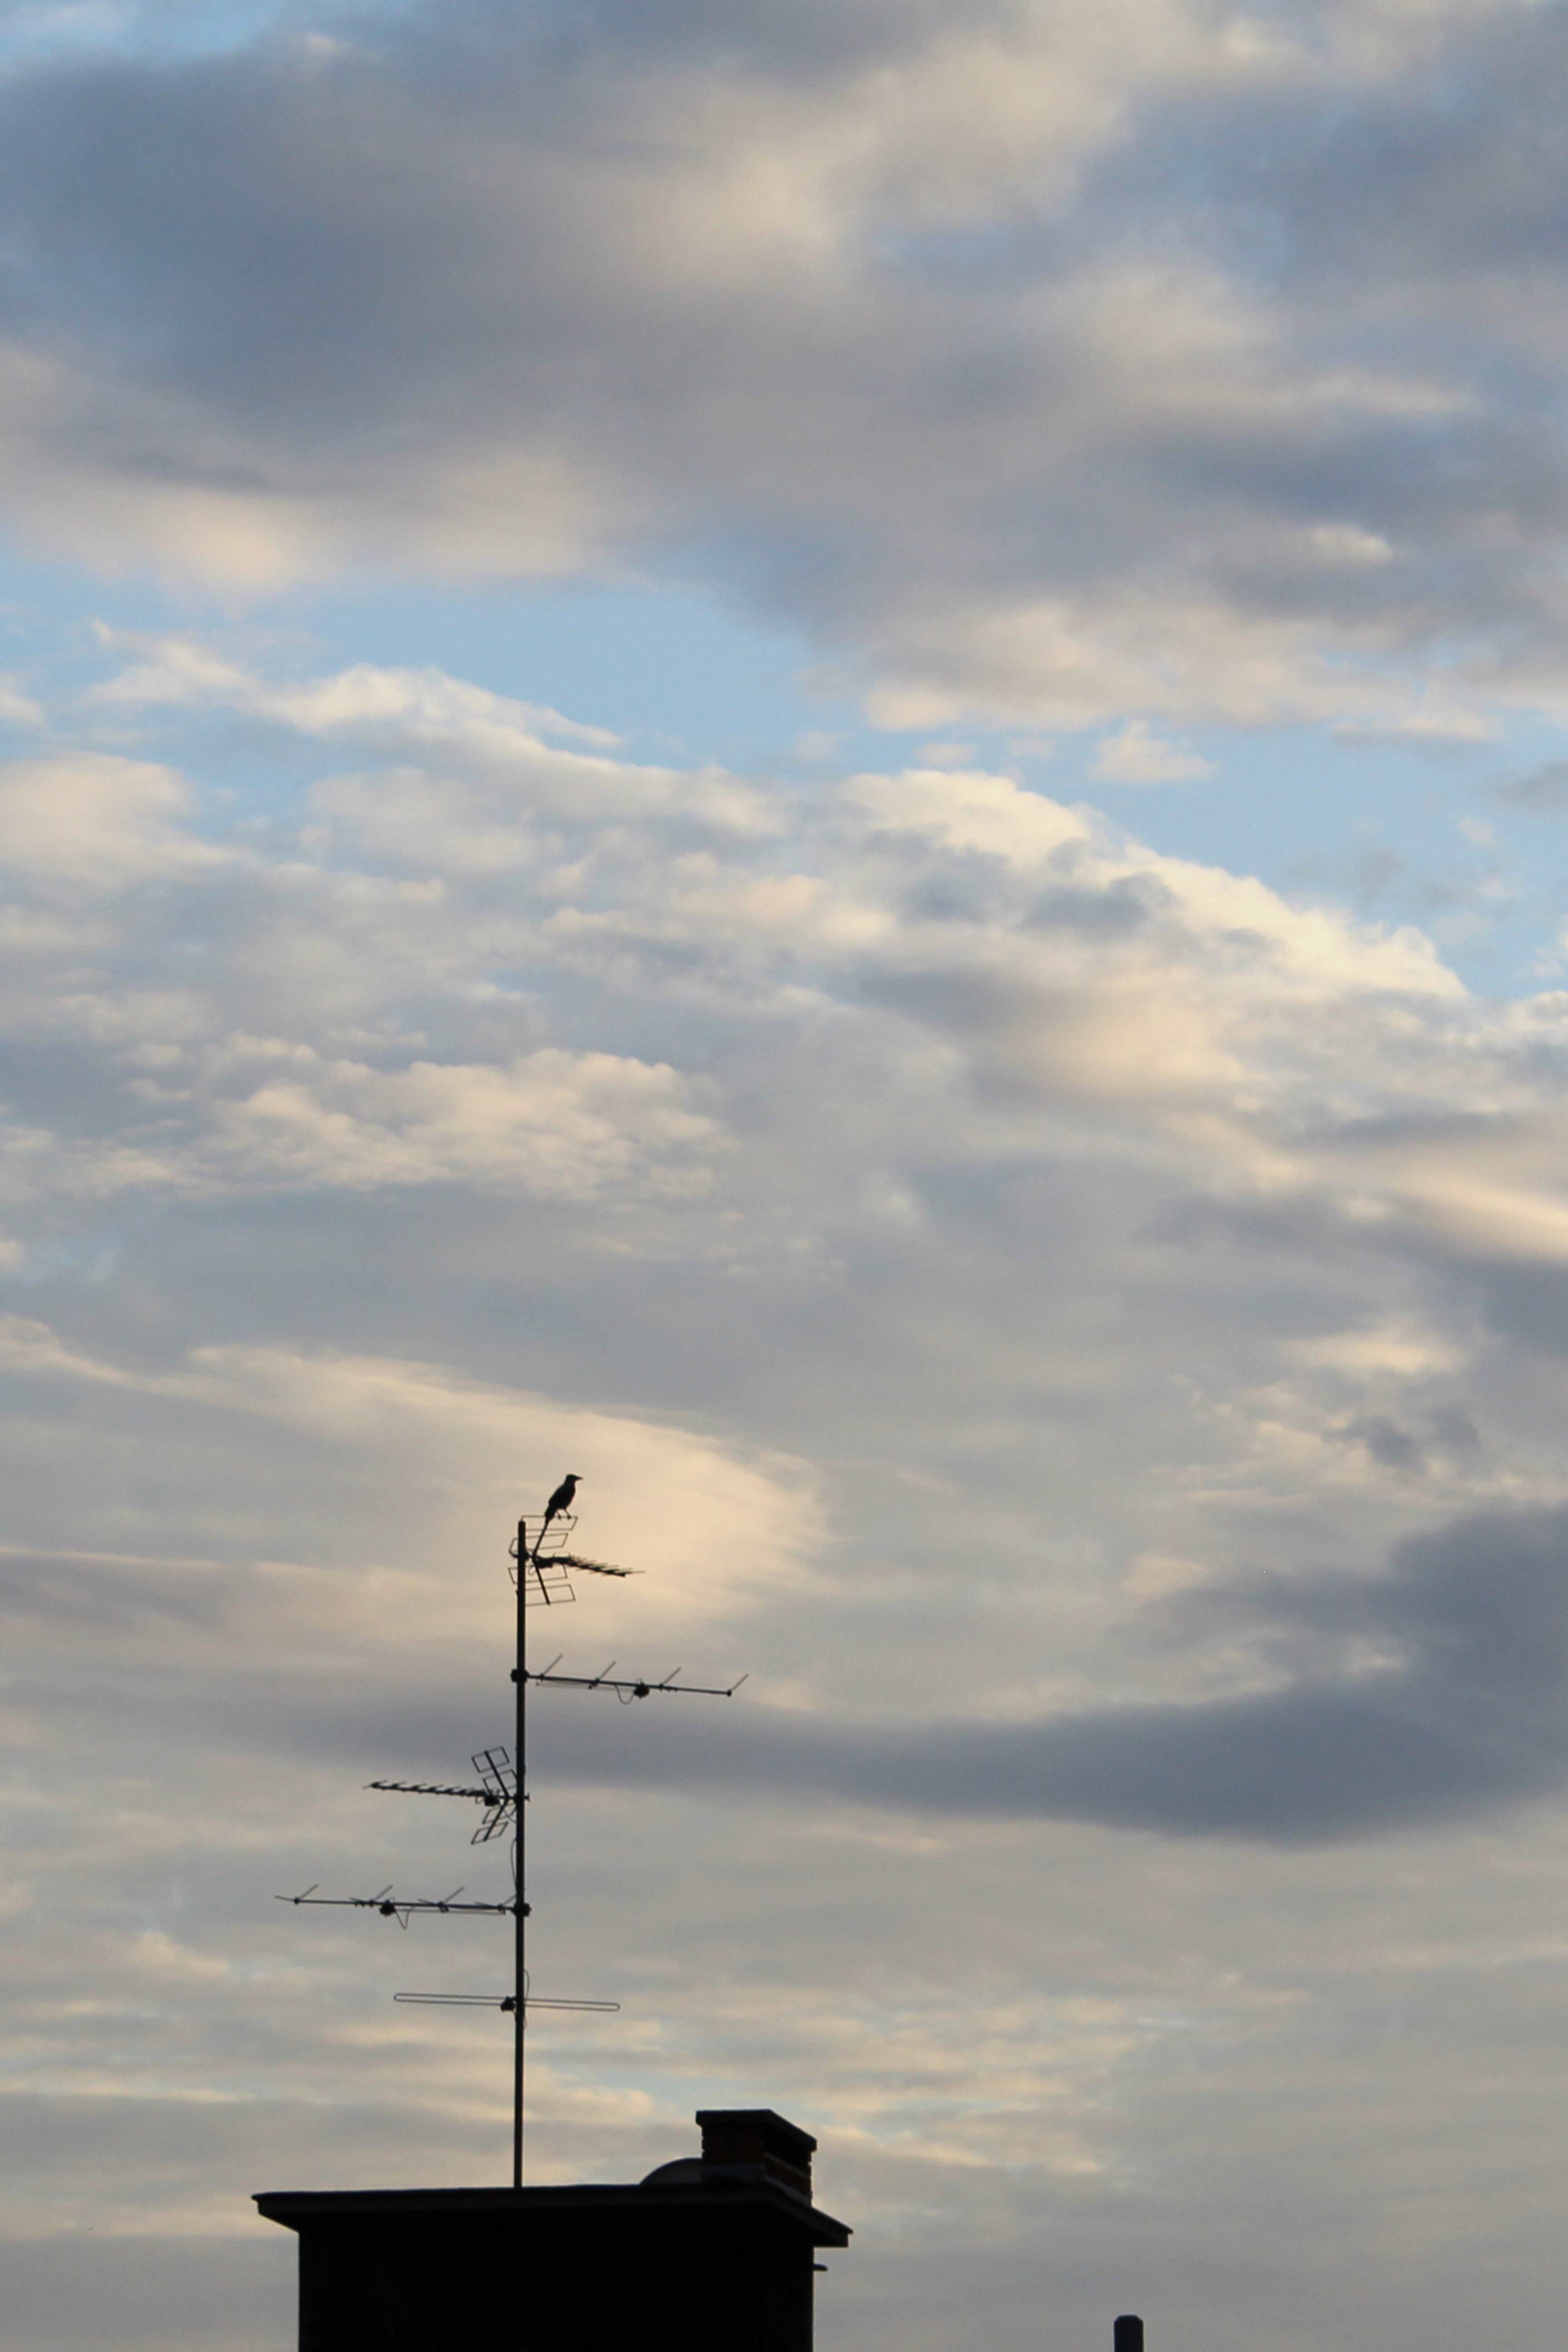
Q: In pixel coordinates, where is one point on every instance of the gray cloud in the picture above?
(1163, 385)
(1432, 1693)
(968, 1241)
(86, 2294)
(1543, 789)
(1077, 1228)
(1464, 1714)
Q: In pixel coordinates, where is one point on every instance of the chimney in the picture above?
(754, 2144)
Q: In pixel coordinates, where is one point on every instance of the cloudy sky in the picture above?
(814, 756)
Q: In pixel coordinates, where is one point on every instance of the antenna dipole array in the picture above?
(497, 1792)
(543, 1578)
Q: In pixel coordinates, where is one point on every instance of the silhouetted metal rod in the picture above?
(429, 1789)
(397, 1907)
(1128, 2333)
(520, 1850)
(639, 1689)
(498, 2000)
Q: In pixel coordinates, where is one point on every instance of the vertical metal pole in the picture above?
(1127, 2335)
(520, 1942)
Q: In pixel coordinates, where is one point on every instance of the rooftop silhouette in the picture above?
(717, 2251)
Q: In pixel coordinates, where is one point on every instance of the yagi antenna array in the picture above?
(400, 1908)
(622, 1690)
(497, 1793)
(542, 1576)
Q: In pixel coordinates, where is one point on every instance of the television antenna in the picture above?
(544, 1579)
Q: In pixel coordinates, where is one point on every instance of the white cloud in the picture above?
(1016, 1293)
(90, 821)
(420, 704)
(713, 1527)
(514, 760)
(1135, 756)
(403, 1051)
(964, 347)
(574, 1125)
(18, 708)
(1086, 1330)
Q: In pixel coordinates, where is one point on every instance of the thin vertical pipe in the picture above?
(519, 1917)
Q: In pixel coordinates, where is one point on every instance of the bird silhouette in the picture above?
(562, 1498)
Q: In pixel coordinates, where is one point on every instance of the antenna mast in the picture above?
(544, 1579)
(525, 1569)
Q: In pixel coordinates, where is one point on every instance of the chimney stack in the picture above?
(756, 2144)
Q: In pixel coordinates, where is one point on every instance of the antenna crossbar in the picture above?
(431, 1789)
(500, 2000)
(400, 1908)
(638, 1690)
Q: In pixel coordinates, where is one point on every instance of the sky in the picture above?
(814, 756)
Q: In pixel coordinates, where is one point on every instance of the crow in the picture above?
(562, 1498)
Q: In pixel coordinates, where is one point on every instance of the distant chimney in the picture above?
(754, 2144)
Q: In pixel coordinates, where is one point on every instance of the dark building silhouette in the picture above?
(713, 2252)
